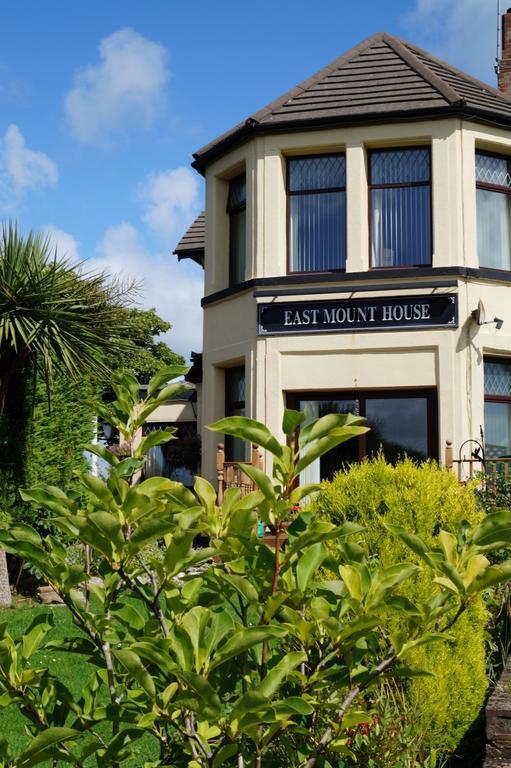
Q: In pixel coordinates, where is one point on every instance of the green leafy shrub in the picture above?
(422, 499)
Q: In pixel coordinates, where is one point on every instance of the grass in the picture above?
(71, 668)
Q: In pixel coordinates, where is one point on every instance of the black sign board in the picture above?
(366, 314)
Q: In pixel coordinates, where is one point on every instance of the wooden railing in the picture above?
(468, 467)
(229, 474)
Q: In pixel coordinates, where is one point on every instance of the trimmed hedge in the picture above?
(422, 499)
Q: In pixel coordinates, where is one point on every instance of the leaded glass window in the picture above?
(400, 200)
(234, 406)
(237, 210)
(493, 191)
(497, 407)
(317, 213)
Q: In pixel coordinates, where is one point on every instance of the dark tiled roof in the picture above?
(383, 77)
(191, 245)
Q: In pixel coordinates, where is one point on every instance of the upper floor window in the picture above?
(237, 210)
(497, 407)
(400, 205)
(493, 183)
(316, 189)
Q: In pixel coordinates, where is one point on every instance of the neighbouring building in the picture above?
(356, 247)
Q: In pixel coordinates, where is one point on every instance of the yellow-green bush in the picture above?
(422, 499)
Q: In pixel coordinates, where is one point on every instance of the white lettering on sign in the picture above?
(357, 315)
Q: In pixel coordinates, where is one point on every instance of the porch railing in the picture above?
(468, 467)
(230, 475)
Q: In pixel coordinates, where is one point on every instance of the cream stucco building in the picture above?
(356, 247)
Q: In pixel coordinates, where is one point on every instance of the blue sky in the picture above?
(103, 103)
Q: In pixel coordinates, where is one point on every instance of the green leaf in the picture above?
(206, 493)
(165, 375)
(281, 672)
(494, 530)
(223, 755)
(291, 421)
(103, 453)
(495, 574)
(242, 586)
(156, 437)
(326, 425)
(250, 430)
(35, 634)
(261, 480)
(319, 447)
(308, 563)
(40, 747)
(244, 640)
(133, 664)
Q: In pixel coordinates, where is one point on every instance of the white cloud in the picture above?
(175, 289)
(25, 168)
(463, 32)
(172, 201)
(124, 90)
(66, 244)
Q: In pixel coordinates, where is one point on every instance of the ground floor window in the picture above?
(235, 406)
(497, 407)
(402, 422)
(179, 458)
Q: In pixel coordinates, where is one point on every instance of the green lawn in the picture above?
(69, 667)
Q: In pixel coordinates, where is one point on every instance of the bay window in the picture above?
(237, 210)
(316, 188)
(400, 207)
(493, 191)
(497, 407)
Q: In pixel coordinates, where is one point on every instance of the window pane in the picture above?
(322, 172)
(497, 425)
(493, 170)
(493, 229)
(398, 426)
(400, 166)
(316, 232)
(497, 378)
(237, 192)
(235, 406)
(345, 454)
(237, 248)
(401, 226)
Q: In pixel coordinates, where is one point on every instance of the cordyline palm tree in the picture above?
(53, 316)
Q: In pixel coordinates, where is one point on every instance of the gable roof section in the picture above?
(383, 77)
(191, 245)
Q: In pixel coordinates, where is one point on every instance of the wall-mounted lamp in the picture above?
(479, 316)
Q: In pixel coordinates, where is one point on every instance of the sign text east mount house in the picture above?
(352, 314)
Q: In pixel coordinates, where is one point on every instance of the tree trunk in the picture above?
(5, 590)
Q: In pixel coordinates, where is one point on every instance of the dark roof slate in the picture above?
(383, 77)
(191, 245)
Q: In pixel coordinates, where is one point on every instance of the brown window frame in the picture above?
(399, 185)
(430, 393)
(493, 188)
(289, 194)
(235, 405)
(233, 210)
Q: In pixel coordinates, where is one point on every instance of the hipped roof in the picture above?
(381, 78)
